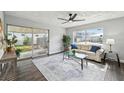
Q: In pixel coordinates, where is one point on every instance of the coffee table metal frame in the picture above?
(72, 54)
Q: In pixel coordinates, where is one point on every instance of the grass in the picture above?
(24, 48)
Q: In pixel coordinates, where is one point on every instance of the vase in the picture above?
(9, 49)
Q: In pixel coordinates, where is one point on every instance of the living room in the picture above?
(44, 31)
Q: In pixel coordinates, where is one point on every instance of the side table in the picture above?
(112, 53)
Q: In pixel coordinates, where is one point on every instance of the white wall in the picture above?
(2, 16)
(112, 29)
(56, 33)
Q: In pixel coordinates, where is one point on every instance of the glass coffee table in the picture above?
(73, 54)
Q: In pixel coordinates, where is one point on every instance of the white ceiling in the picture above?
(50, 17)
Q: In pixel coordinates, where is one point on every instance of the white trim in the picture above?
(122, 61)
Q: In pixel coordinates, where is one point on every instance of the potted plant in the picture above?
(10, 43)
(66, 42)
(18, 52)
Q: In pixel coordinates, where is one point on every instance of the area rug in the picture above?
(54, 68)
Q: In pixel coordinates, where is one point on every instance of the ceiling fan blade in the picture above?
(63, 19)
(64, 22)
(78, 20)
(73, 17)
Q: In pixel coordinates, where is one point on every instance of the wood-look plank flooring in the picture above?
(114, 73)
(27, 71)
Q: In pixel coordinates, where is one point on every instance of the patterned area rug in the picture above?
(54, 68)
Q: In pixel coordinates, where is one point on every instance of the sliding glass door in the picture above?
(40, 42)
(31, 42)
(24, 40)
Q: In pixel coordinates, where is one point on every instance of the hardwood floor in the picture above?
(27, 71)
(114, 73)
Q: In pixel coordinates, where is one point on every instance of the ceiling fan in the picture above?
(71, 18)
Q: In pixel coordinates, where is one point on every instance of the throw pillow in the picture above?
(94, 48)
(73, 46)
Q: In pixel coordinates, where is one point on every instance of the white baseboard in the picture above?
(122, 61)
(55, 53)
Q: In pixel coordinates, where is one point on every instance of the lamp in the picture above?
(110, 42)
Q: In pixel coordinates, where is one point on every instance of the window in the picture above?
(89, 35)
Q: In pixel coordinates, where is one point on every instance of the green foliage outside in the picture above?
(27, 40)
(24, 48)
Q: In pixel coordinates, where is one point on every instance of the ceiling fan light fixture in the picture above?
(70, 21)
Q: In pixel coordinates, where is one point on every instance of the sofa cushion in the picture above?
(85, 47)
(79, 46)
(85, 52)
(94, 48)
